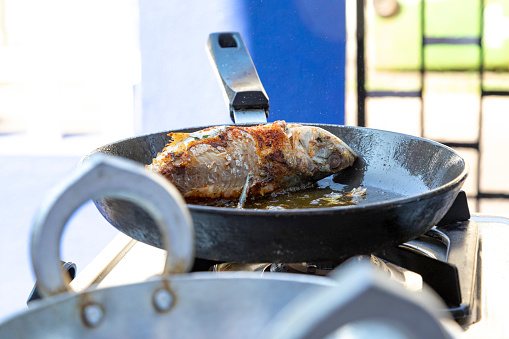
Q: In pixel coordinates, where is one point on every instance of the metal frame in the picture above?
(362, 94)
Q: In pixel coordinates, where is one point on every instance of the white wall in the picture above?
(179, 87)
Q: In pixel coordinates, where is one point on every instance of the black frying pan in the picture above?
(426, 177)
(416, 181)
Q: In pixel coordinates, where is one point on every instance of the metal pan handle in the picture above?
(243, 89)
(106, 176)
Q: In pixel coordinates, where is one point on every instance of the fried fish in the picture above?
(219, 162)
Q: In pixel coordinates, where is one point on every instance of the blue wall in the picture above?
(298, 48)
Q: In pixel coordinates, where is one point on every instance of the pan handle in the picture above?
(243, 89)
(105, 176)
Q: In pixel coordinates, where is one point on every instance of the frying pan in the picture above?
(415, 181)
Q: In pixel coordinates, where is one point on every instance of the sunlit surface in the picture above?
(67, 71)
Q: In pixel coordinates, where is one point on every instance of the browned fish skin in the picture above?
(214, 163)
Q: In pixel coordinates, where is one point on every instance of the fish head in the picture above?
(328, 153)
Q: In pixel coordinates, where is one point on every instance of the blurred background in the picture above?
(75, 75)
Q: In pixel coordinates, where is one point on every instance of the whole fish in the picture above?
(219, 162)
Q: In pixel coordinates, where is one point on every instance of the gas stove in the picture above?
(444, 259)
(463, 260)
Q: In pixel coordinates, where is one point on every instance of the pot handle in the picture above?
(243, 89)
(364, 301)
(105, 176)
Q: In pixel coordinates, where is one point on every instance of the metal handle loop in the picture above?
(105, 176)
(364, 296)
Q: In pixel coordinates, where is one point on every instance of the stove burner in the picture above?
(445, 259)
(409, 279)
(315, 268)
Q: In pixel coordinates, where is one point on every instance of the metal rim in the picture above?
(368, 206)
